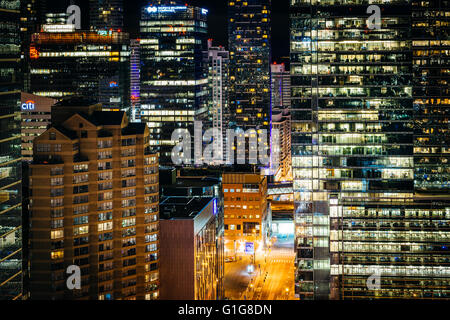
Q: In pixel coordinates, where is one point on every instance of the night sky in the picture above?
(217, 23)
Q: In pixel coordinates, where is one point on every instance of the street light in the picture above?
(254, 249)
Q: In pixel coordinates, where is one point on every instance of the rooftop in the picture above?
(182, 207)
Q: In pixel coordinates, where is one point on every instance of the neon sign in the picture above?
(34, 53)
(28, 105)
(113, 84)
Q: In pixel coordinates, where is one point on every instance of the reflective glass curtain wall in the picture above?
(249, 46)
(10, 153)
(106, 14)
(174, 83)
(352, 147)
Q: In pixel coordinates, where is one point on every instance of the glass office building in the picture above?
(249, 46)
(10, 153)
(93, 64)
(431, 52)
(174, 83)
(352, 144)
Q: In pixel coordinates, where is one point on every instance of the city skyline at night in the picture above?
(238, 152)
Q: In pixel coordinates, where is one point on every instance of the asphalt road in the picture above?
(274, 280)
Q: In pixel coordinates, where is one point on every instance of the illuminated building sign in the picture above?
(204, 11)
(165, 9)
(58, 27)
(34, 54)
(113, 84)
(249, 247)
(215, 206)
(104, 32)
(28, 105)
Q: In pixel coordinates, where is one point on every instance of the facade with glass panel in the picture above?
(106, 14)
(174, 84)
(249, 46)
(86, 63)
(10, 153)
(431, 60)
(352, 137)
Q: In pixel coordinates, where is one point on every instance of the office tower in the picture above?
(430, 42)
(36, 116)
(94, 204)
(352, 151)
(173, 80)
(10, 158)
(92, 64)
(246, 212)
(281, 121)
(280, 85)
(135, 80)
(189, 248)
(217, 62)
(249, 46)
(106, 14)
(32, 16)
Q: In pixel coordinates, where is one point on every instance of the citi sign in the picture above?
(28, 105)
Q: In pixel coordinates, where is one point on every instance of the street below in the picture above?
(272, 277)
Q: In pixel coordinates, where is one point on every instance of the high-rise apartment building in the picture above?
(249, 46)
(174, 84)
(94, 205)
(246, 211)
(87, 63)
(10, 157)
(352, 154)
(32, 16)
(281, 121)
(106, 14)
(217, 62)
(280, 85)
(36, 116)
(135, 80)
